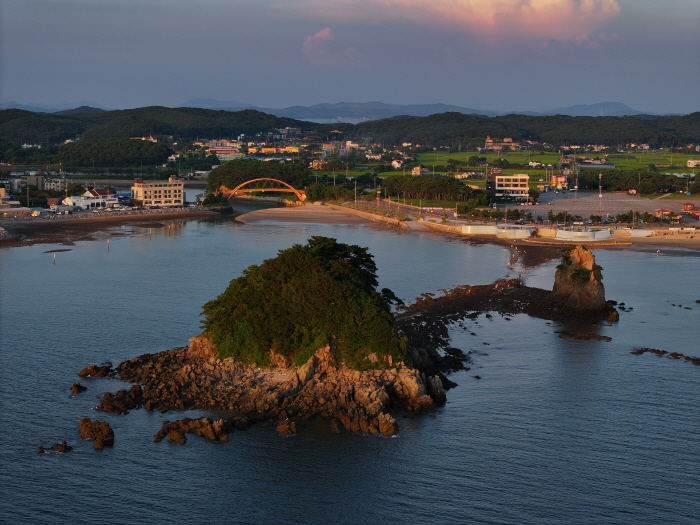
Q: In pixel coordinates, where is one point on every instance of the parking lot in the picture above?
(589, 203)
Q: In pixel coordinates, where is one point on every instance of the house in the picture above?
(693, 163)
(397, 164)
(419, 171)
(158, 192)
(149, 138)
(93, 198)
(690, 209)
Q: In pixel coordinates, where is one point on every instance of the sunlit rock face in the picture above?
(578, 281)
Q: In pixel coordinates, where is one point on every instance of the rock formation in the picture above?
(99, 431)
(360, 401)
(578, 281)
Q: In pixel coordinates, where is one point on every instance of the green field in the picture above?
(666, 162)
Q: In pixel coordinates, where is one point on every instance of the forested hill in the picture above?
(454, 129)
(185, 123)
(447, 129)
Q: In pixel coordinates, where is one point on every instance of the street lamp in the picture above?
(600, 193)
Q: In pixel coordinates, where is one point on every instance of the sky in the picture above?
(520, 55)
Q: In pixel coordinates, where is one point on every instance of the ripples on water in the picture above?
(556, 431)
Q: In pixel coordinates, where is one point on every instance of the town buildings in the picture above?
(158, 192)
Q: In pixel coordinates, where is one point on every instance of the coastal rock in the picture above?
(204, 427)
(436, 390)
(201, 347)
(98, 431)
(77, 388)
(58, 447)
(286, 428)
(360, 400)
(97, 371)
(578, 281)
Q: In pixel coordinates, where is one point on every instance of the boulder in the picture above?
(77, 388)
(177, 437)
(286, 428)
(99, 431)
(436, 390)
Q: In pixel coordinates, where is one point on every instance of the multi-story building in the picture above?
(419, 171)
(508, 187)
(158, 192)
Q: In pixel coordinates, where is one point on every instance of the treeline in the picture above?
(455, 130)
(237, 172)
(644, 181)
(438, 187)
(112, 153)
(19, 126)
(466, 131)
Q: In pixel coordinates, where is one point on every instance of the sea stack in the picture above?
(578, 281)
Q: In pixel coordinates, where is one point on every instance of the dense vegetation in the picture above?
(18, 126)
(439, 187)
(449, 129)
(234, 173)
(111, 152)
(459, 130)
(308, 296)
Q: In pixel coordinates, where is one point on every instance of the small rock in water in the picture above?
(286, 428)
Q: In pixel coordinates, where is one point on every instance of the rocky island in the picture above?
(307, 334)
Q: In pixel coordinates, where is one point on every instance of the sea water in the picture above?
(554, 431)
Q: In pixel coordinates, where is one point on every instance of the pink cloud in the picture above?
(319, 51)
(543, 20)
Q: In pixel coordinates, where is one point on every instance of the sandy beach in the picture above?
(310, 214)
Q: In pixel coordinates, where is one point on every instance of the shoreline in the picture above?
(321, 214)
(67, 230)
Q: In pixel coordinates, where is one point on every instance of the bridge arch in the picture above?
(301, 194)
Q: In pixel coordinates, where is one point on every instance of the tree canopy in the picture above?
(239, 171)
(112, 152)
(308, 296)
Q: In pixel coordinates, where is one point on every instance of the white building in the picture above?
(693, 163)
(95, 198)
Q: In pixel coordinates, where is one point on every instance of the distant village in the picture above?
(292, 144)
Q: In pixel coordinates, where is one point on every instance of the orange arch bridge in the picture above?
(301, 194)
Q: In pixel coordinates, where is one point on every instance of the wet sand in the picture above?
(68, 230)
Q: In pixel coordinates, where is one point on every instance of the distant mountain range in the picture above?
(380, 110)
(350, 111)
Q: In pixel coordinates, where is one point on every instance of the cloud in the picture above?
(319, 51)
(544, 20)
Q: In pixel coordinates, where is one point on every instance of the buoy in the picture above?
(658, 252)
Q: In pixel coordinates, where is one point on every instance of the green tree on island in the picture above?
(323, 292)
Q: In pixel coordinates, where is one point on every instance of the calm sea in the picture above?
(555, 431)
